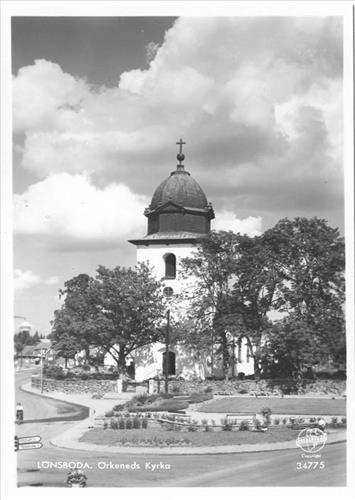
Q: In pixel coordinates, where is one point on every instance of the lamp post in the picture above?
(168, 292)
(167, 342)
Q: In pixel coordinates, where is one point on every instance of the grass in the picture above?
(305, 406)
(157, 437)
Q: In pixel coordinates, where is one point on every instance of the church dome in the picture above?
(179, 210)
(179, 188)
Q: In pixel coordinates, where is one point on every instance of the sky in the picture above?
(99, 104)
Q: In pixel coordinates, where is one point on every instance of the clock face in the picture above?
(168, 291)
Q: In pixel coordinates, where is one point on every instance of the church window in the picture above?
(170, 266)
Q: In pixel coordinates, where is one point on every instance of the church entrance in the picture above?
(172, 369)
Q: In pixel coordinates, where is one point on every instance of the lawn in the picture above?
(286, 406)
(157, 437)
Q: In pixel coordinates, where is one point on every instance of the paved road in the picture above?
(42, 467)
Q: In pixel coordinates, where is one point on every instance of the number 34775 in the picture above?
(310, 465)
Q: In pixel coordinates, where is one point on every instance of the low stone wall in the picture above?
(269, 387)
(76, 386)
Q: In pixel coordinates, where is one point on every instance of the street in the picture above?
(46, 466)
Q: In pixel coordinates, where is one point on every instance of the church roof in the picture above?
(179, 210)
(180, 188)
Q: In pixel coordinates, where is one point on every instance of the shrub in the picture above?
(136, 423)
(118, 407)
(192, 428)
(144, 423)
(284, 420)
(55, 372)
(226, 426)
(109, 413)
(244, 425)
(175, 389)
(266, 413)
(105, 424)
(257, 424)
(343, 420)
(204, 421)
(276, 421)
(96, 396)
(121, 423)
(208, 389)
(129, 424)
(334, 420)
(113, 423)
(243, 391)
(312, 420)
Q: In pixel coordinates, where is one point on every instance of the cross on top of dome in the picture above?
(180, 156)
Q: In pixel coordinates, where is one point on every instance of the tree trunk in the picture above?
(225, 356)
(66, 362)
(121, 364)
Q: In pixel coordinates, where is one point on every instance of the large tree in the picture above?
(234, 289)
(309, 256)
(118, 311)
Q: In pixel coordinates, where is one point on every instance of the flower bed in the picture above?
(165, 438)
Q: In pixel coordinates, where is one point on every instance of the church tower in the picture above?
(178, 216)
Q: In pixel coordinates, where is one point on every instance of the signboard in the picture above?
(29, 446)
(29, 439)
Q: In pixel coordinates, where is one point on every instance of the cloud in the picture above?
(71, 211)
(28, 279)
(258, 100)
(227, 221)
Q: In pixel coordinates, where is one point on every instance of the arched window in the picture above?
(170, 266)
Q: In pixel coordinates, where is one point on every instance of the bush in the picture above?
(136, 423)
(96, 396)
(284, 420)
(105, 425)
(243, 391)
(276, 421)
(129, 424)
(144, 423)
(55, 372)
(244, 425)
(113, 423)
(163, 405)
(226, 426)
(343, 420)
(121, 423)
(334, 420)
(208, 389)
(118, 407)
(109, 413)
(175, 389)
(266, 413)
(192, 428)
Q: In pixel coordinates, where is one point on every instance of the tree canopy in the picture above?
(117, 311)
(295, 268)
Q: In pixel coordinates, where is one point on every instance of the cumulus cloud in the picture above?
(28, 279)
(258, 100)
(228, 221)
(69, 208)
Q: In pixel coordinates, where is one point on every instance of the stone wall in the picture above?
(73, 386)
(319, 387)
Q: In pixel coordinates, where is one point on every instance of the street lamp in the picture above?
(168, 292)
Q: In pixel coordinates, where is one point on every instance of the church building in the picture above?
(178, 216)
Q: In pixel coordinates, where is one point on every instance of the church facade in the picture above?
(178, 216)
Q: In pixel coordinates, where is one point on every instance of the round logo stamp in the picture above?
(311, 440)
